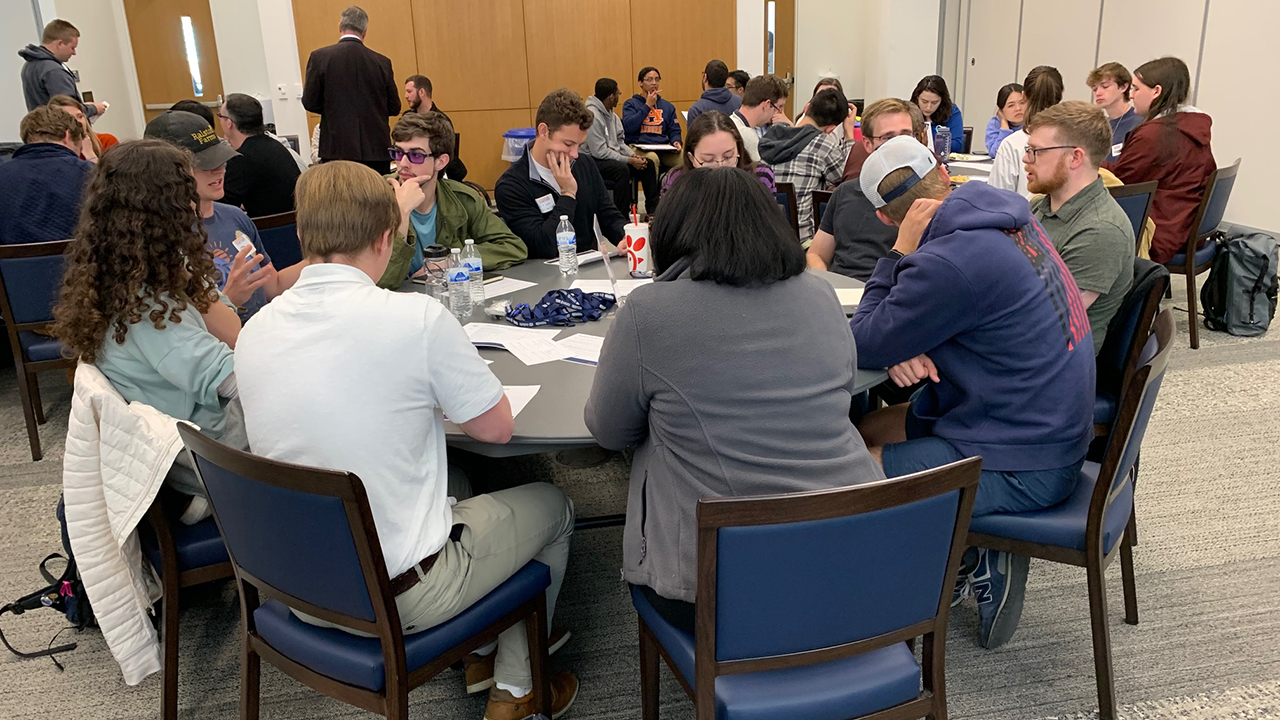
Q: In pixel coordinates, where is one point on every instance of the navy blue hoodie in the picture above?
(720, 98)
(644, 125)
(989, 300)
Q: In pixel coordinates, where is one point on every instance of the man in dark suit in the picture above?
(354, 91)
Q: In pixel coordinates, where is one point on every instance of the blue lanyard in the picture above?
(562, 307)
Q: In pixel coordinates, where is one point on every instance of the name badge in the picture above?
(1115, 149)
(545, 203)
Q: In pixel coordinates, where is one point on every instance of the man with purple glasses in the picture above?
(435, 210)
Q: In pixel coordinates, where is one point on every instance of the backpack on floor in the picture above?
(1239, 296)
(64, 593)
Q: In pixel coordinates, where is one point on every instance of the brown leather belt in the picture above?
(401, 583)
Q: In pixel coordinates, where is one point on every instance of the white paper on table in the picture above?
(984, 167)
(505, 286)
(584, 258)
(535, 350)
(497, 335)
(520, 395)
(849, 296)
(582, 348)
(602, 286)
(657, 147)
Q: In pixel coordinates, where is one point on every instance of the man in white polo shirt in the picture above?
(346, 375)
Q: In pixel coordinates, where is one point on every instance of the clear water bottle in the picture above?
(567, 244)
(942, 142)
(459, 285)
(436, 259)
(475, 270)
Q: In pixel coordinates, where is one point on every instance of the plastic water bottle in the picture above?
(459, 285)
(567, 243)
(942, 142)
(475, 269)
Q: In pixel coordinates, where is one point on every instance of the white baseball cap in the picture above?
(899, 152)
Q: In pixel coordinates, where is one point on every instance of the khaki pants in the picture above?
(502, 532)
(666, 160)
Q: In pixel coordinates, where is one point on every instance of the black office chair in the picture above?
(967, 146)
(820, 200)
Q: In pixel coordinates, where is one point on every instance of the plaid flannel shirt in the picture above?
(818, 166)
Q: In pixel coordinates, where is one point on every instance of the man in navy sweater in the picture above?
(975, 299)
(40, 187)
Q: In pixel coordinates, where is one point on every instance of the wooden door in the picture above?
(175, 53)
(780, 45)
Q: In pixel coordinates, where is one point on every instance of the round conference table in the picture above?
(553, 419)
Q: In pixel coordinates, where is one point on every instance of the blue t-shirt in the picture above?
(221, 228)
(424, 227)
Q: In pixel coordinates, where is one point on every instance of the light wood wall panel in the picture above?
(481, 132)
(474, 52)
(572, 43)
(316, 25)
(688, 35)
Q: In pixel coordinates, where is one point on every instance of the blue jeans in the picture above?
(1009, 491)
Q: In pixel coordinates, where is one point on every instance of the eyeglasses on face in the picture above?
(417, 157)
(880, 139)
(1034, 152)
(730, 161)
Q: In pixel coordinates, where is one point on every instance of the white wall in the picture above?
(104, 58)
(901, 45)
(280, 50)
(751, 36)
(830, 42)
(17, 30)
(1067, 41)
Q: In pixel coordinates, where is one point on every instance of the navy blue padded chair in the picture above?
(183, 555)
(1127, 335)
(279, 235)
(30, 280)
(788, 629)
(820, 200)
(1201, 247)
(1093, 525)
(1135, 200)
(786, 197)
(304, 539)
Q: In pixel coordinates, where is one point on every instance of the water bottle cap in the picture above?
(455, 251)
(564, 217)
(468, 241)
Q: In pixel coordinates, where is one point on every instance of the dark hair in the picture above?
(563, 107)
(645, 71)
(764, 87)
(936, 85)
(606, 87)
(1174, 79)
(196, 108)
(420, 82)
(827, 82)
(49, 124)
(1118, 74)
(1003, 96)
(717, 73)
(828, 107)
(729, 227)
(713, 121)
(742, 77)
(139, 251)
(246, 112)
(1043, 90)
(433, 126)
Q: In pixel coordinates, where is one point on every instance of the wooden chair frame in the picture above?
(717, 513)
(393, 701)
(268, 222)
(792, 209)
(1093, 559)
(1123, 191)
(28, 385)
(172, 580)
(1196, 240)
(818, 197)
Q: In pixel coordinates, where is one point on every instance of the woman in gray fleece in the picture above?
(731, 375)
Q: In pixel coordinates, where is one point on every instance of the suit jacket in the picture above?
(354, 91)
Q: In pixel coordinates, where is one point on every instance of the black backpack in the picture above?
(64, 593)
(1239, 297)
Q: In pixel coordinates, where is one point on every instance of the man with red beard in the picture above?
(1065, 146)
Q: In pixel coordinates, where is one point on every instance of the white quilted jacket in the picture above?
(117, 456)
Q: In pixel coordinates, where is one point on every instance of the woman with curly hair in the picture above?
(140, 296)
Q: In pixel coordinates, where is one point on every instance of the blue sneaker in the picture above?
(964, 588)
(999, 583)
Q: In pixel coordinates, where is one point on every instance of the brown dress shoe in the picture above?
(479, 669)
(503, 706)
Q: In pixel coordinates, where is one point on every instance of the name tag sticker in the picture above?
(545, 203)
(1115, 149)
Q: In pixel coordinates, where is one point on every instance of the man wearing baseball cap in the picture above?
(248, 279)
(975, 299)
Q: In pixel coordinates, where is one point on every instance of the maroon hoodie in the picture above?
(1183, 171)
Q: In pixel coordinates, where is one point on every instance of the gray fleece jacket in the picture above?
(723, 391)
(604, 137)
(43, 77)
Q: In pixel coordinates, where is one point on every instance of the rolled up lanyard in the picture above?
(562, 307)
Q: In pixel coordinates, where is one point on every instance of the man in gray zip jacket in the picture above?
(45, 73)
(618, 163)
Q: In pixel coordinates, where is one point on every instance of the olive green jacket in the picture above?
(461, 213)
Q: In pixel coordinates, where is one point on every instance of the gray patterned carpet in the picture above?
(1207, 648)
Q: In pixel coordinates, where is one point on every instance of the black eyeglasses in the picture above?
(1034, 152)
(224, 117)
(889, 136)
(417, 157)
